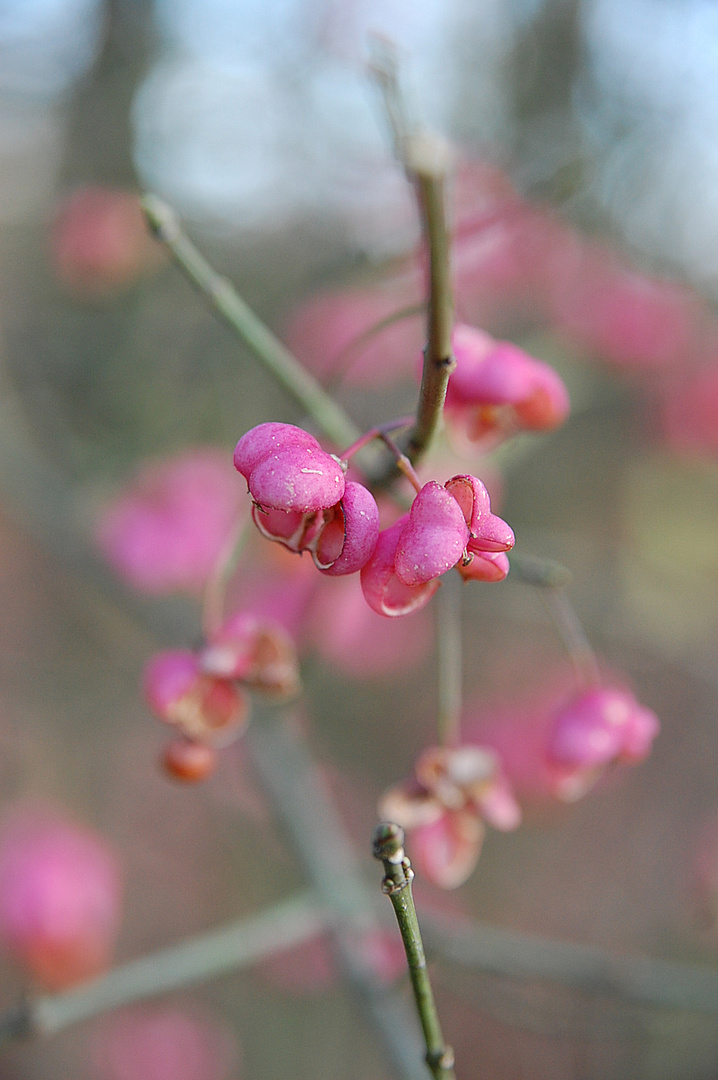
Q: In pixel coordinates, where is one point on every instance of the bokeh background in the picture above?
(259, 123)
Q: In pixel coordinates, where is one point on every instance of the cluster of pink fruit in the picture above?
(302, 500)
(203, 694)
(455, 792)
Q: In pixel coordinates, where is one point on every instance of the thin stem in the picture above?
(426, 160)
(402, 462)
(428, 165)
(216, 587)
(327, 414)
(641, 980)
(388, 846)
(229, 948)
(539, 572)
(379, 432)
(342, 359)
(450, 658)
(573, 636)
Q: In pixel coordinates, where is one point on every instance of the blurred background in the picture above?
(583, 203)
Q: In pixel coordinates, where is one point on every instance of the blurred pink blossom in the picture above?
(60, 897)
(167, 529)
(598, 728)
(358, 642)
(622, 315)
(689, 412)
(557, 742)
(100, 243)
(169, 1043)
(498, 389)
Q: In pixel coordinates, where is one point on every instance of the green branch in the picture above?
(388, 846)
(229, 948)
(327, 414)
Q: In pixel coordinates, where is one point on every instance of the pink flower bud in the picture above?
(349, 537)
(383, 590)
(165, 1043)
(286, 469)
(60, 897)
(203, 707)
(168, 529)
(434, 537)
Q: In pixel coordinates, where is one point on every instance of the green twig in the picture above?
(426, 161)
(388, 846)
(573, 636)
(227, 949)
(286, 369)
(427, 164)
(450, 658)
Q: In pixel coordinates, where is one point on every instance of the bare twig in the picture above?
(229, 948)
(269, 350)
(388, 846)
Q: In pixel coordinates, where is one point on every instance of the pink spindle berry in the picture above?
(497, 388)
(446, 806)
(599, 728)
(60, 897)
(167, 530)
(168, 1043)
(302, 500)
(383, 589)
(203, 707)
(188, 760)
(348, 537)
(434, 537)
(286, 469)
(258, 652)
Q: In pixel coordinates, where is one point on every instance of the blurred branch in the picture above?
(301, 797)
(491, 950)
(235, 946)
(269, 350)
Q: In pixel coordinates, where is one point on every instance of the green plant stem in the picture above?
(327, 414)
(573, 636)
(426, 160)
(450, 658)
(513, 954)
(229, 948)
(388, 846)
(427, 165)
